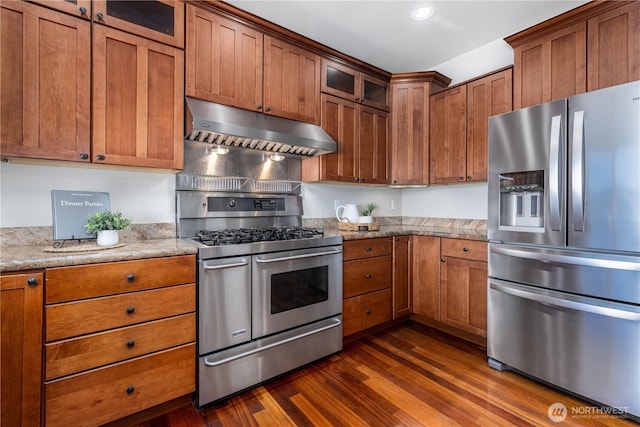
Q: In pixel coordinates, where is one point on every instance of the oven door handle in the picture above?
(333, 324)
(289, 258)
(230, 265)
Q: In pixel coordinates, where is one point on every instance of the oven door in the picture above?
(294, 288)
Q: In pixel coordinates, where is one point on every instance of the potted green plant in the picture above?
(366, 213)
(106, 226)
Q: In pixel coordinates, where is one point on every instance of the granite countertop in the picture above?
(29, 255)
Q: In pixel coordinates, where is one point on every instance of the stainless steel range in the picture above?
(269, 290)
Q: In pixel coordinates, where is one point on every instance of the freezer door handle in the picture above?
(554, 172)
(553, 301)
(577, 171)
(616, 264)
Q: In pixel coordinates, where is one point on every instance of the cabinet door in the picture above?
(291, 81)
(223, 60)
(21, 348)
(614, 47)
(375, 92)
(410, 133)
(159, 20)
(340, 80)
(373, 143)
(550, 68)
(138, 100)
(401, 293)
(448, 136)
(426, 276)
(464, 295)
(45, 59)
(486, 97)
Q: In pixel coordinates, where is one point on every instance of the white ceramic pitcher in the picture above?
(349, 213)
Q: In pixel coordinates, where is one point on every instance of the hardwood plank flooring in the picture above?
(408, 375)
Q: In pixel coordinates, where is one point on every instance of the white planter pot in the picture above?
(107, 237)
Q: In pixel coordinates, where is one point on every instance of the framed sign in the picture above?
(71, 210)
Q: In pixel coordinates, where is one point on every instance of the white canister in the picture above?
(349, 213)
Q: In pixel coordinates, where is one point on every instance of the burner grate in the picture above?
(252, 235)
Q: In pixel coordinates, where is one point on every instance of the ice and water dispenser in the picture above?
(522, 201)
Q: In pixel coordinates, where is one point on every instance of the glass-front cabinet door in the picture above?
(348, 83)
(159, 20)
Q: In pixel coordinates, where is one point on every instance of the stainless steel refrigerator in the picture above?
(564, 245)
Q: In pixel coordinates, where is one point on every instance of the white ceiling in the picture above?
(381, 33)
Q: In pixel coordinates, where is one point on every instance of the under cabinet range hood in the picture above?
(234, 127)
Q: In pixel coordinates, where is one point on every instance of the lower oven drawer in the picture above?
(588, 346)
(107, 394)
(365, 311)
(230, 371)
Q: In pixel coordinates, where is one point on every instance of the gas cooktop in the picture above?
(252, 235)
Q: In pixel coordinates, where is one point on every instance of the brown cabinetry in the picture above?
(121, 345)
(137, 117)
(594, 46)
(47, 70)
(21, 296)
(463, 282)
(361, 134)
(45, 83)
(366, 284)
(458, 127)
(402, 276)
(348, 83)
(426, 276)
(234, 64)
(410, 100)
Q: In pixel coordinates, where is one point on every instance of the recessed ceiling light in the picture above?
(422, 13)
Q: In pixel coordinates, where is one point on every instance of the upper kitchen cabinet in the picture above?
(410, 100)
(458, 127)
(347, 82)
(137, 100)
(45, 68)
(591, 47)
(361, 134)
(224, 60)
(159, 20)
(234, 64)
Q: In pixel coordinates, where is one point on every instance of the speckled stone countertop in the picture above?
(24, 248)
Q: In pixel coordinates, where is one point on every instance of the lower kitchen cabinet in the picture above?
(119, 338)
(402, 274)
(21, 297)
(426, 276)
(366, 284)
(463, 285)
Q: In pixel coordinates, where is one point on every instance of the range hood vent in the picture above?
(229, 126)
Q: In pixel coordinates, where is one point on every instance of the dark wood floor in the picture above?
(409, 375)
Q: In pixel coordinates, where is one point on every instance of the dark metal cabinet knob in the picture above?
(130, 310)
(100, 157)
(131, 277)
(259, 107)
(461, 178)
(368, 248)
(84, 156)
(130, 389)
(442, 260)
(469, 177)
(83, 10)
(32, 281)
(100, 15)
(131, 343)
(368, 312)
(368, 276)
(268, 109)
(465, 249)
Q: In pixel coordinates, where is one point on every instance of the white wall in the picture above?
(25, 190)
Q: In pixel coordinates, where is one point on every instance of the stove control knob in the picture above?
(232, 203)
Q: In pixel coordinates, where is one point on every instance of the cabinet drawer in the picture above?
(98, 314)
(92, 351)
(78, 282)
(107, 394)
(365, 311)
(365, 248)
(468, 249)
(366, 275)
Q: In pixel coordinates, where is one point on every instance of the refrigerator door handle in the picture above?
(553, 301)
(615, 264)
(554, 172)
(577, 171)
